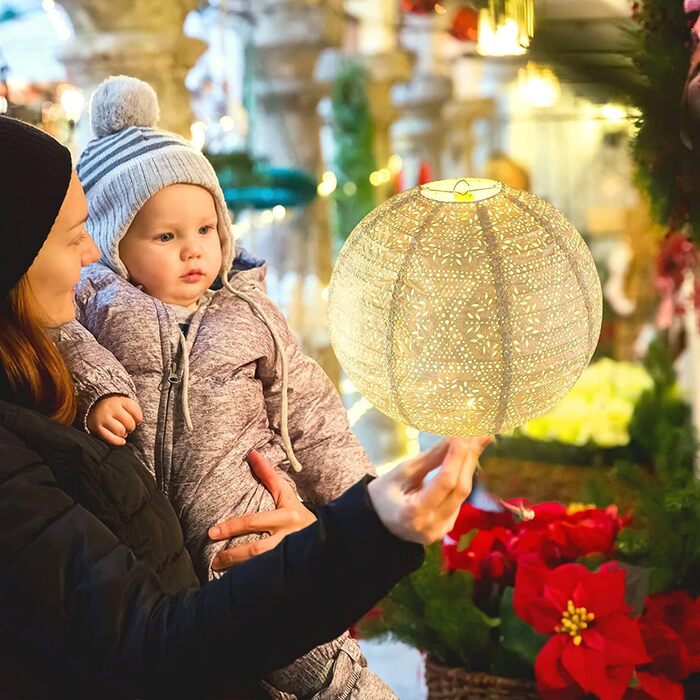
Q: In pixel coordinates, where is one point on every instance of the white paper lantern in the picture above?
(464, 307)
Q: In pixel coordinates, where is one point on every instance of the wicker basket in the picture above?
(458, 684)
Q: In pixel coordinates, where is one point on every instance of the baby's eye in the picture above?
(165, 237)
(205, 229)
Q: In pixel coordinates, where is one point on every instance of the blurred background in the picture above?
(314, 112)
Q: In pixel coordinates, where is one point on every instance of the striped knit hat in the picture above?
(130, 160)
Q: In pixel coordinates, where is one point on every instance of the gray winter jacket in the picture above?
(223, 379)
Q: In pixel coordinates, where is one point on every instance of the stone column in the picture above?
(418, 133)
(288, 37)
(143, 38)
(460, 119)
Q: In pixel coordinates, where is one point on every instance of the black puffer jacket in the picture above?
(98, 597)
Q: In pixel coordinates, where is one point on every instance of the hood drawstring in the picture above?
(185, 395)
(279, 346)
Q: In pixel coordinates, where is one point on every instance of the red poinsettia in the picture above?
(594, 646)
(488, 543)
(654, 687)
(560, 534)
(677, 254)
(485, 557)
(670, 627)
(479, 543)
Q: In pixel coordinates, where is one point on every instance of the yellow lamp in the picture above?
(464, 307)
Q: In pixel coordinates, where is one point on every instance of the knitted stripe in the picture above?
(93, 168)
(116, 197)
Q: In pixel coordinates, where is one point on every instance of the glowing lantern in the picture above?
(464, 307)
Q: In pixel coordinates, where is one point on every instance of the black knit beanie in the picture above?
(35, 172)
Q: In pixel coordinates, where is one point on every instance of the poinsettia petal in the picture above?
(549, 671)
(529, 581)
(667, 650)
(543, 616)
(586, 666)
(545, 512)
(623, 640)
(619, 678)
(471, 518)
(603, 593)
(691, 636)
(594, 640)
(589, 536)
(659, 687)
(567, 578)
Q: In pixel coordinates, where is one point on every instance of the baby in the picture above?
(197, 378)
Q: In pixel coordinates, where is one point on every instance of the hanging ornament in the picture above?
(419, 7)
(464, 307)
(506, 27)
(465, 25)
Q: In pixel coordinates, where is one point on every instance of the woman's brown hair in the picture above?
(36, 373)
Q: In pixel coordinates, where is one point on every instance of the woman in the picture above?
(98, 595)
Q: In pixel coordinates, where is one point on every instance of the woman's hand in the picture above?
(289, 516)
(424, 512)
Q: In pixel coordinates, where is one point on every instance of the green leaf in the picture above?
(517, 636)
(636, 586)
(466, 540)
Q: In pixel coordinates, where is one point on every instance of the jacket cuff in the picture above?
(366, 535)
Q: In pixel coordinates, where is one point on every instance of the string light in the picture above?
(395, 164)
(329, 181)
(613, 113)
(72, 102)
(199, 135)
(538, 86)
(227, 122)
(248, 222)
(328, 184)
(499, 38)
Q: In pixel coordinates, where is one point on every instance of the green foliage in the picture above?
(665, 535)
(353, 131)
(517, 636)
(667, 170)
(434, 610)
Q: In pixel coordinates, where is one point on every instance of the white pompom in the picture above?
(122, 101)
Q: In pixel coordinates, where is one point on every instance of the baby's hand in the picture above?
(112, 418)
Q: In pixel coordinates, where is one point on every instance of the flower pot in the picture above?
(445, 683)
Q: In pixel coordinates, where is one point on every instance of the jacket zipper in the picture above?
(174, 379)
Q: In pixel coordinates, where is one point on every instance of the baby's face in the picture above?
(172, 248)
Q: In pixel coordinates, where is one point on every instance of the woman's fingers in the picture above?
(268, 521)
(236, 555)
(269, 478)
(453, 482)
(448, 508)
(414, 470)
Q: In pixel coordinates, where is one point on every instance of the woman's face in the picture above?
(56, 269)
